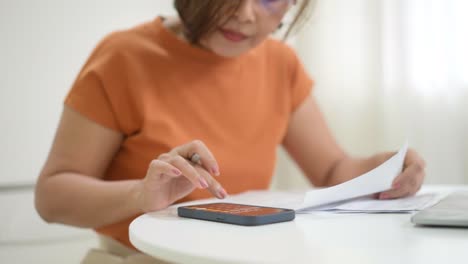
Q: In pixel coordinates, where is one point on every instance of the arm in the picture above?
(69, 189)
(311, 144)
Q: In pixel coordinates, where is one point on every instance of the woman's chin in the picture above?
(225, 48)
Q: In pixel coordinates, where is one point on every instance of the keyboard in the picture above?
(452, 210)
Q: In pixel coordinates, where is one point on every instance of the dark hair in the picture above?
(201, 17)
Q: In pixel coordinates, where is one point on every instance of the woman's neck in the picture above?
(174, 25)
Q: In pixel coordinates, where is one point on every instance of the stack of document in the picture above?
(371, 205)
(351, 196)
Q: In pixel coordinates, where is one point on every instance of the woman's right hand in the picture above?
(173, 175)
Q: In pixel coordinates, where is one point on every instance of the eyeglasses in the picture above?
(274, 6)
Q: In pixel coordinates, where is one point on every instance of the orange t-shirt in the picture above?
(161, 92)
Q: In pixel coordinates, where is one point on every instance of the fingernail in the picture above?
(222, 193)
(383, 196)
(177, 172)
(215, 171)
(396, 186)
(203, 183)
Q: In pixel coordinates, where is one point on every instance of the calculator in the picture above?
(451, 211)
(238, 214)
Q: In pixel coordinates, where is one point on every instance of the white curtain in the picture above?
(387, 71)
(425, 76)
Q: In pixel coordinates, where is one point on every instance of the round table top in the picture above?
(310, 238)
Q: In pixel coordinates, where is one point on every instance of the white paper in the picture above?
(371, 205)
(377, 180)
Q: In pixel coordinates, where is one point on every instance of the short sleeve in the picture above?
(301, 82)
(88, 97)
(100, 93)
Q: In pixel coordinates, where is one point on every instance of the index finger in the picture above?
(213, 185)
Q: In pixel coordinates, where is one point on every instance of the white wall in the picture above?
(353, 48)
(339, 47)
(43, 45)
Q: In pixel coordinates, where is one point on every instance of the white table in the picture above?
(311, 238)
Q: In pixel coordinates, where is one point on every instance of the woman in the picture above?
(186, 108)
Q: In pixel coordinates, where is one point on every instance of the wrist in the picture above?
(136, 196)
(334, 173)
(379, 159)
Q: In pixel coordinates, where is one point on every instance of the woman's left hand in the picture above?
(410, 180)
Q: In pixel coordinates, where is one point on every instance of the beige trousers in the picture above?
(111, 251)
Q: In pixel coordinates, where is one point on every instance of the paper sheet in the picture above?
(377, 180)
(371, 205)
(358, 205)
